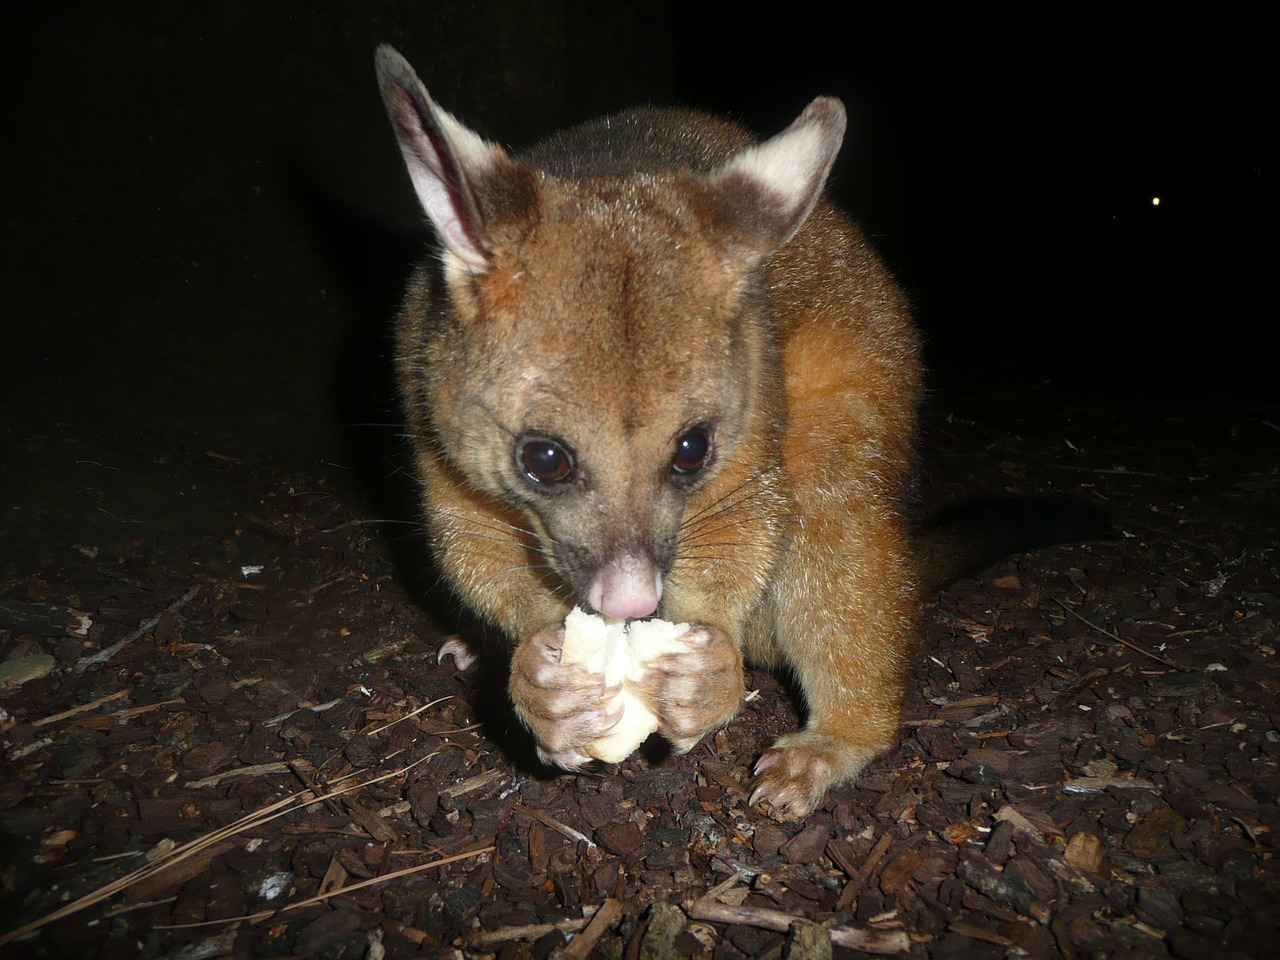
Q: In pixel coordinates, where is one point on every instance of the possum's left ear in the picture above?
(450, 165)
(764, 194)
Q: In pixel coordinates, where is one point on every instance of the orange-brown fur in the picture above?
(613, 311)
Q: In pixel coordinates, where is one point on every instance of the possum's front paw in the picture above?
(795, 773)
(696, 689)
(567, 706)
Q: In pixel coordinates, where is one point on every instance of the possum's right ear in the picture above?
(446, 161)
(765, 192)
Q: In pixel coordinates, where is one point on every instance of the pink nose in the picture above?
(626, 588)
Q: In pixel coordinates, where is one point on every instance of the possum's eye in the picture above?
(692, 450)
(545, 461)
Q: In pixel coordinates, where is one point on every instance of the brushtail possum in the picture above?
(653, 372)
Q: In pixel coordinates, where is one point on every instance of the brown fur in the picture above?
(618, 288)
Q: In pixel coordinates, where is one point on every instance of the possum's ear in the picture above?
(449, 165)
(764, 194)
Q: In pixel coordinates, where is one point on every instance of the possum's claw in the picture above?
(463, 655)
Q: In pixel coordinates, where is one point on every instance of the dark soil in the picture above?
(1090, 764)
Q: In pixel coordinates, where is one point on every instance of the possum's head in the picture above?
(603, 347)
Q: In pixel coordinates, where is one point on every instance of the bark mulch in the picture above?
(248, 748)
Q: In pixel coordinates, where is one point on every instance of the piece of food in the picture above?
(621, 651)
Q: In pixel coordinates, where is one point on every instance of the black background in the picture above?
(207, 225)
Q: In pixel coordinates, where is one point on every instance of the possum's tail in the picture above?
(968, 535)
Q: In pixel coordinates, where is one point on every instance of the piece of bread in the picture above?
(621, 652)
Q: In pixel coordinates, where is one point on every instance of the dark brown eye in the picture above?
(545, 461)
(692, 450)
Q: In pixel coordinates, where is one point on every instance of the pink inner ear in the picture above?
(456, 232)
(442, 157)
(626, 588)
(443, 202)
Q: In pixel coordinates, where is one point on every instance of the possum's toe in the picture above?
(570, 760)
(795, 773)
(696, 689)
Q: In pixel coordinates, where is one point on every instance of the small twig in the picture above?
(853, 938)
(310, 784)
(130, 907)
(581, 946)
(1098, 784)
(353, 523)
(1136, 647)
(83, 708)
(858, 880)
(369, 821)
(130, 712)
(723, 886)
(472, 784)
(532, 931)
(1078, 685)
(314, 708)
(394, 875)
(256, 770)
(267, 914)
(102, 656)
(407, 716)
(336, 578)
(1114, 471)
(556, 825)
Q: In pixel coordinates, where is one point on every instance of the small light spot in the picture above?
(276, 885)
(1155, 201)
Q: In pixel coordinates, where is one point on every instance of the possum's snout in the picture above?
(626, 587)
